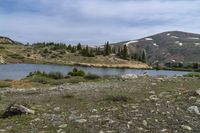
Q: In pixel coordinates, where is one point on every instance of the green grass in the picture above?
(195, 74)
(117, 98)
(4, 84)
(92, 77)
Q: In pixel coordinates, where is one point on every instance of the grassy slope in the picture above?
(20, 54)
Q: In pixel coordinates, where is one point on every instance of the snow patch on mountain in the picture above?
(174, 37)
(194, 38)
(148, 39)
(155, 45)
(179, 43)
(197, 44)
(134, 41)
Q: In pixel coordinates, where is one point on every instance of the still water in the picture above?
(19, 71)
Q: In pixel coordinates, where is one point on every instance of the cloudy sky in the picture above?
(95, 21)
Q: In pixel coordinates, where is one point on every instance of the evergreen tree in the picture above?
(107, 49)
(125, 52)
(135, 56)
(98, 52)
(79, 47)
(73, 49)
(143, 58)
(91, 53)
(69, 47)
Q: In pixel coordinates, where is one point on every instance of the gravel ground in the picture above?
(115, 105)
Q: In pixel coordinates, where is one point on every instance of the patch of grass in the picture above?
(51, 75)
(41, 80)
(195, 74)
(68, 96)
(92, 77)
(16, 56)
(1, 47)
(75, 80)
(55, 75)
(76, 72)
(117, 98)
(4, 84)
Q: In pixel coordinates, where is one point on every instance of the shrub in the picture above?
(52, 75)
(55, 75)
(92, 76)
(195, 74)
(68, 96)
(117, 98)
(1, 47)
(76, 72)
(41, 80)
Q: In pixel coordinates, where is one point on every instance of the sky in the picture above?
(95, 21)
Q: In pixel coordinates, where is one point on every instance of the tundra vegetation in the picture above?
(55, 102)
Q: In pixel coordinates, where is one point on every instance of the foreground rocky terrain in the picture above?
(112, 105)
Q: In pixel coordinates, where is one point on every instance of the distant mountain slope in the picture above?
(172, 46)
(6, 40)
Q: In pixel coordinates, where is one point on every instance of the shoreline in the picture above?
(116, 66)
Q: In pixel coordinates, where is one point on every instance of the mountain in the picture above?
(6, 40)
(172, 46)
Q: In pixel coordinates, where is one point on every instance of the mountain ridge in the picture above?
(165, 47)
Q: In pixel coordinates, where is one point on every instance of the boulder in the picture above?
(129, 76)
(13, 110)
(185, 127)
(194, 110)
(194, 92)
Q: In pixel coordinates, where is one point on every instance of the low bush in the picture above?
(195, 74)
(1, 47)
(41, 80)
(76, 72)
(52, 75)
(116, 98)
(55, 75)
(16, 56)
(67, 96)
(92, 76)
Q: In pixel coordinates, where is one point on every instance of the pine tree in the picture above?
(79, 47)
(107, 49)
(73, 49)
(69, 47)
(91, 53)
(143, 58)
(125, 52)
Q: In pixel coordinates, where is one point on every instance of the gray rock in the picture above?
(144, 122)
(194, 110)
(197, 102)
(81, 120)
(129, 76)
(63, 126)
(13, 110)
(2, 130)
(194, 92)
(185, 127)
(101, 131)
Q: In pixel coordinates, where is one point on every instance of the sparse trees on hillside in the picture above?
(143, 57)
(107, 49)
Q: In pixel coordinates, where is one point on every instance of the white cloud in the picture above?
(96, 21)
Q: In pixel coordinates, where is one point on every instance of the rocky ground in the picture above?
(115, 105)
